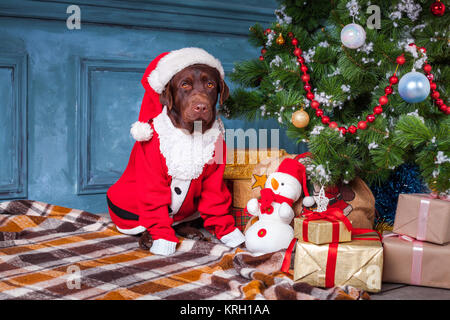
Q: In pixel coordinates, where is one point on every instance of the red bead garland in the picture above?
(383, 100)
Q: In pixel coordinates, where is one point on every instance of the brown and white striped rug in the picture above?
(52, 252)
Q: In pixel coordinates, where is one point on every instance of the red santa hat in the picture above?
(296, 170)
(157, 75)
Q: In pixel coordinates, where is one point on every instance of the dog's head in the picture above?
(191, 95)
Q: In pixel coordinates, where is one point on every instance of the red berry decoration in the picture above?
(304, 68)
(325, 119)
(290, 34)
(305, 77)
(343, 130)
(267, 31)
(435, 94)
(439, 102)
(315, 104)
(362, 125)
(377, 110)
(447, 111)
(433, 85)
(261, 58)
(443, 107)
(333, 125)
(370, 118)
(437, 8)
(423, 50)
(393, 80)
(383, 100)
(319, 112)
(310, 96)
(430, 76)
(300, 60)
(427, 68)
(388, 90)
(352, 129)
(297, 52)
(294, 42)
(401, 59)
(263, 51)
(307, 87)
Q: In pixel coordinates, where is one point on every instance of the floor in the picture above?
(394, 291)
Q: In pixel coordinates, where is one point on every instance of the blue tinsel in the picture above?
(405, 179)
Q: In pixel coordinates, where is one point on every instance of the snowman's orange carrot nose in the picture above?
(274, 184)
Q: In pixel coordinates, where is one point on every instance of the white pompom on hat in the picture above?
(157, 75)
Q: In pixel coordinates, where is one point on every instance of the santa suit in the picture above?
(173, 176)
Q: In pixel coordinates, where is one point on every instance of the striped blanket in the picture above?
(52, 252)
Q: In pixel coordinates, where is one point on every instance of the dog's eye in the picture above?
(210, 85)
(185, 85)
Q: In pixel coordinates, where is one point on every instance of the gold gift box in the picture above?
(241, 162)
(359, 263)
(321, 231)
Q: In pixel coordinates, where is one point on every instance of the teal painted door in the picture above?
(68, 97)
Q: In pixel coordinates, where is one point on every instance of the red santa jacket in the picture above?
(170, 178)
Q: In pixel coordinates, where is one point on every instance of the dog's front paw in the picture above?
(145, 241)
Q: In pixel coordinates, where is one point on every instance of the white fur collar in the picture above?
(186, 154)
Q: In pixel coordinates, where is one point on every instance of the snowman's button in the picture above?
(269, 210)
(262, 232)
(177, 190)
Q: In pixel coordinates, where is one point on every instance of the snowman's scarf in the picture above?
(268, 196)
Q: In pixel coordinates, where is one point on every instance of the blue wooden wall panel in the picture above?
(13, 148)
(83, 86)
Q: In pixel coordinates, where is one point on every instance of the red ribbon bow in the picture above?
(268, 196)
(333, 215)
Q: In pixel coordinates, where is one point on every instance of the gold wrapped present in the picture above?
(358, 263)
(321, 231)
(241, 162)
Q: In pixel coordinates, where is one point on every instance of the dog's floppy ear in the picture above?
(224, 92)
(166, 98)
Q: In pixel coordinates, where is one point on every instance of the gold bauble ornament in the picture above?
(280, 39)
(300, 118)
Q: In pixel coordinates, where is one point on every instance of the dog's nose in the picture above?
(200, 107)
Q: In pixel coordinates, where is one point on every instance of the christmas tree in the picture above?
(340, 76)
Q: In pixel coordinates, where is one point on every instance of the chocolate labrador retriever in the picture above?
(190, 96)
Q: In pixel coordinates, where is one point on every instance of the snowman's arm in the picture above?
(253, 206)
(286, 212)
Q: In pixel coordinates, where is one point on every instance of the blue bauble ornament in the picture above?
(353, 36)
(414, 87)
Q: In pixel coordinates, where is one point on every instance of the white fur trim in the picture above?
(141, 131)
(186, 154)
(308, 201)
(177, 60)
(133, 231)
(163, 247)
(233, 239)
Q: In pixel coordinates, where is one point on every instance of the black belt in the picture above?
(121, 213)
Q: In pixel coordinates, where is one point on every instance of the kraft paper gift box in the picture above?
(422, 217)
(320, 231)
(358, 263)
(242, 192)
(410, 261)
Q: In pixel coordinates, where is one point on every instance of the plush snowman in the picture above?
(272, 231)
